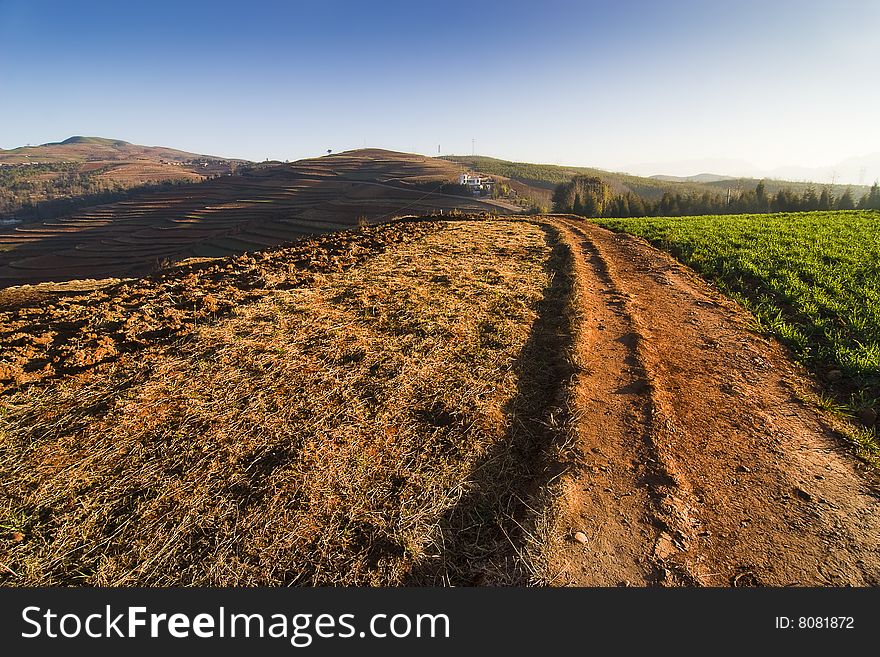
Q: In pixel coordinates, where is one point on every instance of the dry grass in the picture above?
(381, 425)
(50, 330)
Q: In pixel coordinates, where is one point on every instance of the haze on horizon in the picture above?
(685, 87)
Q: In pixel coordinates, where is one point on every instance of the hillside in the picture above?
(543, 178)
(97, 149)
(547, 176)
(258, 208)
(468, 402)
(47, 180)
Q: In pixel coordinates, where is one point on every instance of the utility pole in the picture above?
(473, 147)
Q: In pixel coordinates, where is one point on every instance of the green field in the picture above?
(812, 279)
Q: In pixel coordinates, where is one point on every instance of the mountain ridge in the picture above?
(79, 139)
(79, 148)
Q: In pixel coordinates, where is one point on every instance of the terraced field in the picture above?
(230, 215)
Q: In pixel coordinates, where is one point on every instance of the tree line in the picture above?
(591, 197)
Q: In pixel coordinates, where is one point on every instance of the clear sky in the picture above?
(608, 84)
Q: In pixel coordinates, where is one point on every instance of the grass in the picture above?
(369, 427)
(811, 279)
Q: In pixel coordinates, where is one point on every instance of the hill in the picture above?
(547, 176)
(264, 206)
(543, 178)
(471, 402)
(97, 149)
(45, 180)
(102, 141)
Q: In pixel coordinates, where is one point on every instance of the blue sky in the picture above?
(602, 84)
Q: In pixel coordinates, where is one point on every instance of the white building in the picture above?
(477, 184)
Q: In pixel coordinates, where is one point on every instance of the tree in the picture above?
(584, 195)
(560, 198)
(791, 202)
(761, 199)
(502, 190)
(620, 207)
(669, 205)
(871, 200)
(846, 201)
(810, 201)
(636, 206)
(591, 207)
(826, 200)
(780, 203)
(455, 189)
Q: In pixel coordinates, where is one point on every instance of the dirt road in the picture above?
(701, 464)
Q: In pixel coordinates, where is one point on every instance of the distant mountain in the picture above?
(861, 170)
(699, 178)
(95, 149)
(89, 140)
(683, 170)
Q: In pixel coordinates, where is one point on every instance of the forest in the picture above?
(589, 196)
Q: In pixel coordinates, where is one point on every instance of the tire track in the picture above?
(731, 480)
(628, 497)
